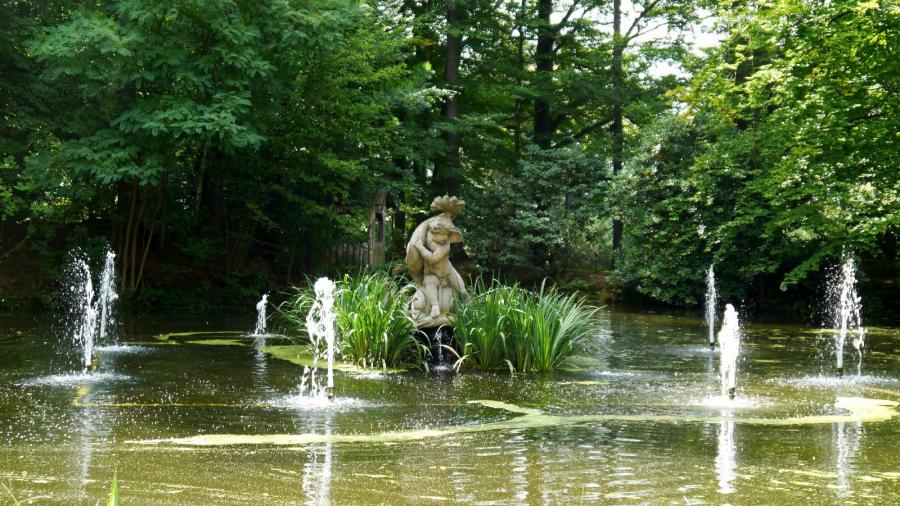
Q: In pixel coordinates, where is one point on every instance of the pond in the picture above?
(206, 416)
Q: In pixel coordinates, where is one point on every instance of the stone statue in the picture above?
(428, 260)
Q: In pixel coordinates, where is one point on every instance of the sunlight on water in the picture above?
(723, 401)
(319, 403)
(75, 379)
(726, 461)
(834, 382)
(122, 348)
(645, 422)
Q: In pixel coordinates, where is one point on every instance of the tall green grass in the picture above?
(496, 327)
(372, 326)
(506, 326)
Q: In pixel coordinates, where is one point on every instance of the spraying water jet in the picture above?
(108, 296)
(92, 314)
(320, 325)
(85, 311)
(260, 328)
(846, 305)
(729, 349)
(711, 306)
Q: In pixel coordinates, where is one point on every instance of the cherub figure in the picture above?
(428, 259)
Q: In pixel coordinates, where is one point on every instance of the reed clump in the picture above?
(372, 326)
(496, 327)
(506, 326)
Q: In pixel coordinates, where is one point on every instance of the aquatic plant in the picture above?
(114, 491)
(373, 327)
(481, 325)
(521, 329)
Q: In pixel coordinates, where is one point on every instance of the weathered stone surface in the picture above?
(428, 260)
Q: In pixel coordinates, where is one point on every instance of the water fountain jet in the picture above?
(845, 311)
(108, 295)
(729, 349)
(92, 314)
(711, 306)
(86, 321)
(320, 325)
(260, 328)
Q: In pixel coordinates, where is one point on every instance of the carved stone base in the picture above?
(421, 312)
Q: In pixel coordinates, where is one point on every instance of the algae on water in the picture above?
(860, 410)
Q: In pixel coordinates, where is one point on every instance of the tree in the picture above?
(788, 157)
(169, 104)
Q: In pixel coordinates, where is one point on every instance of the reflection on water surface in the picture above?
(641, 426)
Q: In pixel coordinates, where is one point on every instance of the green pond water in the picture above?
(204, 416)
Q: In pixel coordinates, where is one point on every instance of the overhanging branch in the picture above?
(584, 131)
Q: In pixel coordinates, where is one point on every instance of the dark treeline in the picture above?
(226, 147)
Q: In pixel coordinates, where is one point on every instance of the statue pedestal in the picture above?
(433, 337)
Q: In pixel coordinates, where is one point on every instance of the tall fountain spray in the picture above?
(729, 349)
(86, 320)
(711, 301)
(845, 307)
(92, 314)
(320, 325)
(261, 316)
(108, 296)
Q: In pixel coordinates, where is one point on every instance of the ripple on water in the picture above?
(75, 379)
(267, 336)
(122, 348)
(371, 376)
(319, 403)
(621, 374)
(700, 349)
(834, 381)
(723, 402)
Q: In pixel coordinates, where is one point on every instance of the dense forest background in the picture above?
(227, 147)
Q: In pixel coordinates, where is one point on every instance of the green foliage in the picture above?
(786, 156)
(372, 326)
(536, 216)
(114, 491)
(233, 146)
(507, 326)
(210, 135)
(667, 223)
(482, 323)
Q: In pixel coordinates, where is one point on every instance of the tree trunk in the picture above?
(292, 250)
(201, 176)
(520, 102)
(451, 176)
(163, 221)
(543, 125)
(618, 147)
(398, 234)
(124, 249)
